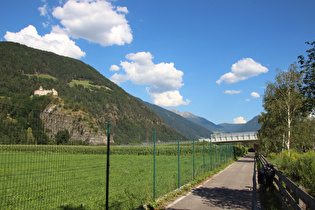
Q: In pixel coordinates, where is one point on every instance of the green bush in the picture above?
(240, 151)
(307, 167)
(299, 167)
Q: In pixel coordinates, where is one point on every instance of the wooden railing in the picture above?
(290, 195)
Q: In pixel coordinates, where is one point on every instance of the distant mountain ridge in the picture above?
(200, 121)
(252, 125)
(231, 127)
(180, 123)
(184, 114)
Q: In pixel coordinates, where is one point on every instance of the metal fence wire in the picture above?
(44, 164)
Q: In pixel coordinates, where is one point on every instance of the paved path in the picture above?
(230, 189)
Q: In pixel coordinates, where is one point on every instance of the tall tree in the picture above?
(283, 104)
(62, 137)
(29, 136)
(308, 71)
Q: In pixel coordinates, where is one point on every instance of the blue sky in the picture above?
(208, 57)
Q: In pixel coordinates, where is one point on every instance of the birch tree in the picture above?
(283, 104)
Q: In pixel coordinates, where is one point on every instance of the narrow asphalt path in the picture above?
(230, 189)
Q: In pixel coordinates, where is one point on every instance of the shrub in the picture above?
(307, 170)
(300, 168)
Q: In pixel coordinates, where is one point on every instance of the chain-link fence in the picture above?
(47, 161)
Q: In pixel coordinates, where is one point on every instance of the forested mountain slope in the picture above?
(81, 90)
(179, 123)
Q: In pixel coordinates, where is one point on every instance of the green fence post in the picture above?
(229, 153)
(228, 156)
(211, 155)
(232, 151)
(219, 152)
(107, 171)
(225, 153)
(220, 155)
(178, 163)
(216, 159)
(204, 158)
(154, 153)
(193, 159)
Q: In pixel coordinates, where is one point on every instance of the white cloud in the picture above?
(46, 24)
(168, 98)
(247, 99)
(242, 70)
(232, 92)
(255, 95)
(114, 68)
(95, 20)
(163, 79)
(122, 9)
(43, 10)
(57, 41)
(239, 120)
(119, 78)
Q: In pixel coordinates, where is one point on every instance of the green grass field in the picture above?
(86, 84)
(48, 178)
(44, 76)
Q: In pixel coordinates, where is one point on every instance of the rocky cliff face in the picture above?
(80, 126)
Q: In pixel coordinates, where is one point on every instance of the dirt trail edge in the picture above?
(230, 189)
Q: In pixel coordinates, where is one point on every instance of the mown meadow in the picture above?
(64, 177)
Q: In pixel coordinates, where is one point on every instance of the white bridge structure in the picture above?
(232, 137)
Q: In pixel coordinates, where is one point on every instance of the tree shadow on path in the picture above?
(225, 198)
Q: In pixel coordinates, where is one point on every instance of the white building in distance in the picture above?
(42, 92)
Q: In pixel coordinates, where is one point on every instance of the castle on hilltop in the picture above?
(42, 92)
